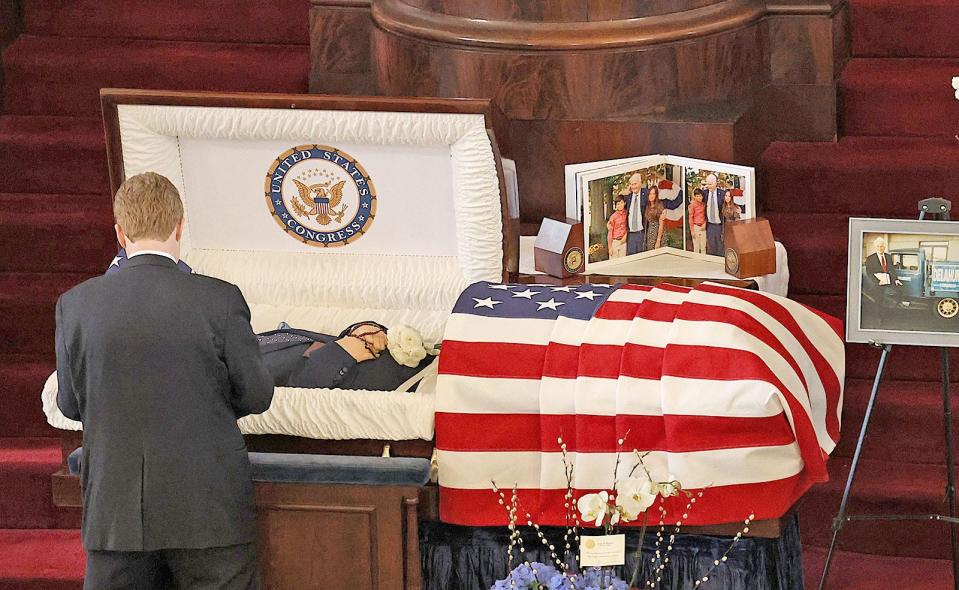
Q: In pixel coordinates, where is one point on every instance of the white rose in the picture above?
(955, 82)
(405, 345)
(635, 496)
(593, 507)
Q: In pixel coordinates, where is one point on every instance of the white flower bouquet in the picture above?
(406, 345)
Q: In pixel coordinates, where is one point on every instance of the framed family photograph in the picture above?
(653, 206)
(903, 285)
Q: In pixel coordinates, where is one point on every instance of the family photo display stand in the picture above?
(938, 209)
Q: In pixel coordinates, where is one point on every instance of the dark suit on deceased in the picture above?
(158, 364)
(329, 365)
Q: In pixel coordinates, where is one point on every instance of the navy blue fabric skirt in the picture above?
(473, 558)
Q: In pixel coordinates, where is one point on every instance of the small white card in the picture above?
(602, 551)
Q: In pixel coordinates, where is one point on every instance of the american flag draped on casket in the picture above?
(735, 393)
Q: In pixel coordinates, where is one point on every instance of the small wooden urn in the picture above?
(750, 249)
(558, 250)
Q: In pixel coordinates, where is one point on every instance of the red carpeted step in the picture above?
(904, 28)
(907, 421)
(80, 226)
(816, 248)
(27, 304)
(245, 21)
(41, 560)
(26, 499)
(55, 155)
(897, 97)
(859, 571)
(881, 487)
(63, 76)
(868, 176)
(21, 381)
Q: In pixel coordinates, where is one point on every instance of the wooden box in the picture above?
(750, 249)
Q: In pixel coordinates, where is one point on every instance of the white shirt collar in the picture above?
(157, 252)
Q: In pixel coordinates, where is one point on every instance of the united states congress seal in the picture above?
(320, 195)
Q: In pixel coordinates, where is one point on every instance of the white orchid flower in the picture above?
(593, 507)
(636, 495)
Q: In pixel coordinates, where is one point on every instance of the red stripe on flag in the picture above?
(561, 361)
(617, 310)
(657, 311)
(676, 433)
(492, 359)
(642, 362)
(599, 360)
(719, 504)
(488, 432)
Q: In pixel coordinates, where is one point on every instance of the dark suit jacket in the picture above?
(331, 366)
(720, 197)
(642, 208)
(873, 266)
(158, 364)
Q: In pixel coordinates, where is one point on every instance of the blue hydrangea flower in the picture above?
(523, 575)
(560, 582)
(544, 572)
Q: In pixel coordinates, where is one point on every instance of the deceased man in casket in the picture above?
(365, 355)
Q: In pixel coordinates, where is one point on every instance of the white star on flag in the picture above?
(116, 261)
(567, 289)
(528, 294)
(586, 295)
(500, 287)
(488, 302)
(602, 286)
(551, 304)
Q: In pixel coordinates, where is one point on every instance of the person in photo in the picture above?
(714, 221)
(731, 210)
(697, 222)
(655, 214)
(635, 212)
(616, 228)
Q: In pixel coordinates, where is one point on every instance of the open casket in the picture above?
(421, 214)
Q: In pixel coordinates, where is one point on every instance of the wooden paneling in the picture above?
(363, 530)
(338, 63)
(585, 80)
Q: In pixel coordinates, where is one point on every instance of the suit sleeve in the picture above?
(326, 367)
(251, 386)
(66, 393)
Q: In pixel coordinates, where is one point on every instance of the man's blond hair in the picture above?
(147, 206)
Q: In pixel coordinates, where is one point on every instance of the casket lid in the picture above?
(167, 131)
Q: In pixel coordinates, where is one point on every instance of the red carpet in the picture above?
(41, 560)
(898, 119)
(55, 215)
(855, 571)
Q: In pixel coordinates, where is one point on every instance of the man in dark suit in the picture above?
(158, 364)
(885, 292)
(714, 218)
(635, 215)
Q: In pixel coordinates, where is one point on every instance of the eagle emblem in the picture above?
(320, 201)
